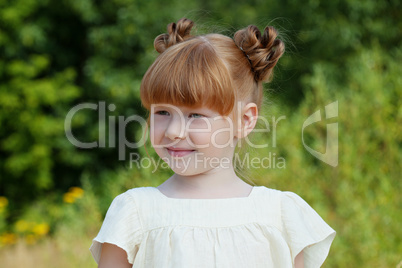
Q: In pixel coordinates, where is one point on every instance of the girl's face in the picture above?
(192, 140)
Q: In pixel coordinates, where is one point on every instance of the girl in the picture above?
(204, 93)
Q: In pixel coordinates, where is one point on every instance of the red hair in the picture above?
(210, 70)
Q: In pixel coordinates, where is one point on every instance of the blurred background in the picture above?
(55, 55)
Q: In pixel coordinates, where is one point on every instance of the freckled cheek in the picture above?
(223, 134)
(157, 132)
(213, 138)
(222, 138)
(199, 132)
(200, 139)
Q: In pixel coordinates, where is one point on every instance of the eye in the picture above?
(195, 115)
(162, 112)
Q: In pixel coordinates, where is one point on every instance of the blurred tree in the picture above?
(329, 32)
(55, 55)
(37, 74)
(360, 198)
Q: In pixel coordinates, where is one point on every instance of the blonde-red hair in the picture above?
(210, 70)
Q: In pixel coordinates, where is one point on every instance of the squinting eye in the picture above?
(162, 112)
(196, 115)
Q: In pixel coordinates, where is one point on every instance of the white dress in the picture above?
(266, 229)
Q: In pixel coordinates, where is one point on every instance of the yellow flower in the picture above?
(21, 226)
(30, 239)
(8, 239)
(73, 194)
(41, 229)
(3, 202)
(68, 198)
(77, 192)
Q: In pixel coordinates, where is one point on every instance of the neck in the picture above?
(216, 183)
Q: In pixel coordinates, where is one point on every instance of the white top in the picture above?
(266, 229)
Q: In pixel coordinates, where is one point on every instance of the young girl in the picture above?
(204, 93)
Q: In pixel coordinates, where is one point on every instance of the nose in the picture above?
(176, 128)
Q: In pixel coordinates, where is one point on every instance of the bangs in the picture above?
(189, 74)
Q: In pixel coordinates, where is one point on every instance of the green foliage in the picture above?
(33, 99)
(360, 197)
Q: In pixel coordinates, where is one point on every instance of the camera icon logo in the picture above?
(330, 156)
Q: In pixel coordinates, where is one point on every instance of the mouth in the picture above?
(179, 152)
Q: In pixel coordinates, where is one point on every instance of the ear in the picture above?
(249, 116)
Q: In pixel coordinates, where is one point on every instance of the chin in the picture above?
(185, 171)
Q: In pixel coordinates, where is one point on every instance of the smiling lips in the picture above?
(179, 152)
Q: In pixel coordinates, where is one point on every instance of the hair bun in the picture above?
(177, 32)
(263, 52)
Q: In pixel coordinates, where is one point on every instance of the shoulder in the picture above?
(293, 198)
(139, 192)
(305, 230)
(282, 196)
(133, 198)
(287, 204)
(299, 217)
(262, 191)
(278, 195)
(292, 202)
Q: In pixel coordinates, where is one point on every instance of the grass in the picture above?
(49, 253)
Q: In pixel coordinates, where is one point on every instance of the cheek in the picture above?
(201, 139)
(199, 132)
(223, 138)
(156, 132)
(223, 134)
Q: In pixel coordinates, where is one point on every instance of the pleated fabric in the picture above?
(269, 228)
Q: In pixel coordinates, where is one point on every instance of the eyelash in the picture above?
(197, 115)
(162, 112)
(200, 115)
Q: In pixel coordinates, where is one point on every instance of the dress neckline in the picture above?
(251, 194)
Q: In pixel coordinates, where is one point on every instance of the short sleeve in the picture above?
(121, 227)
(305, 230)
